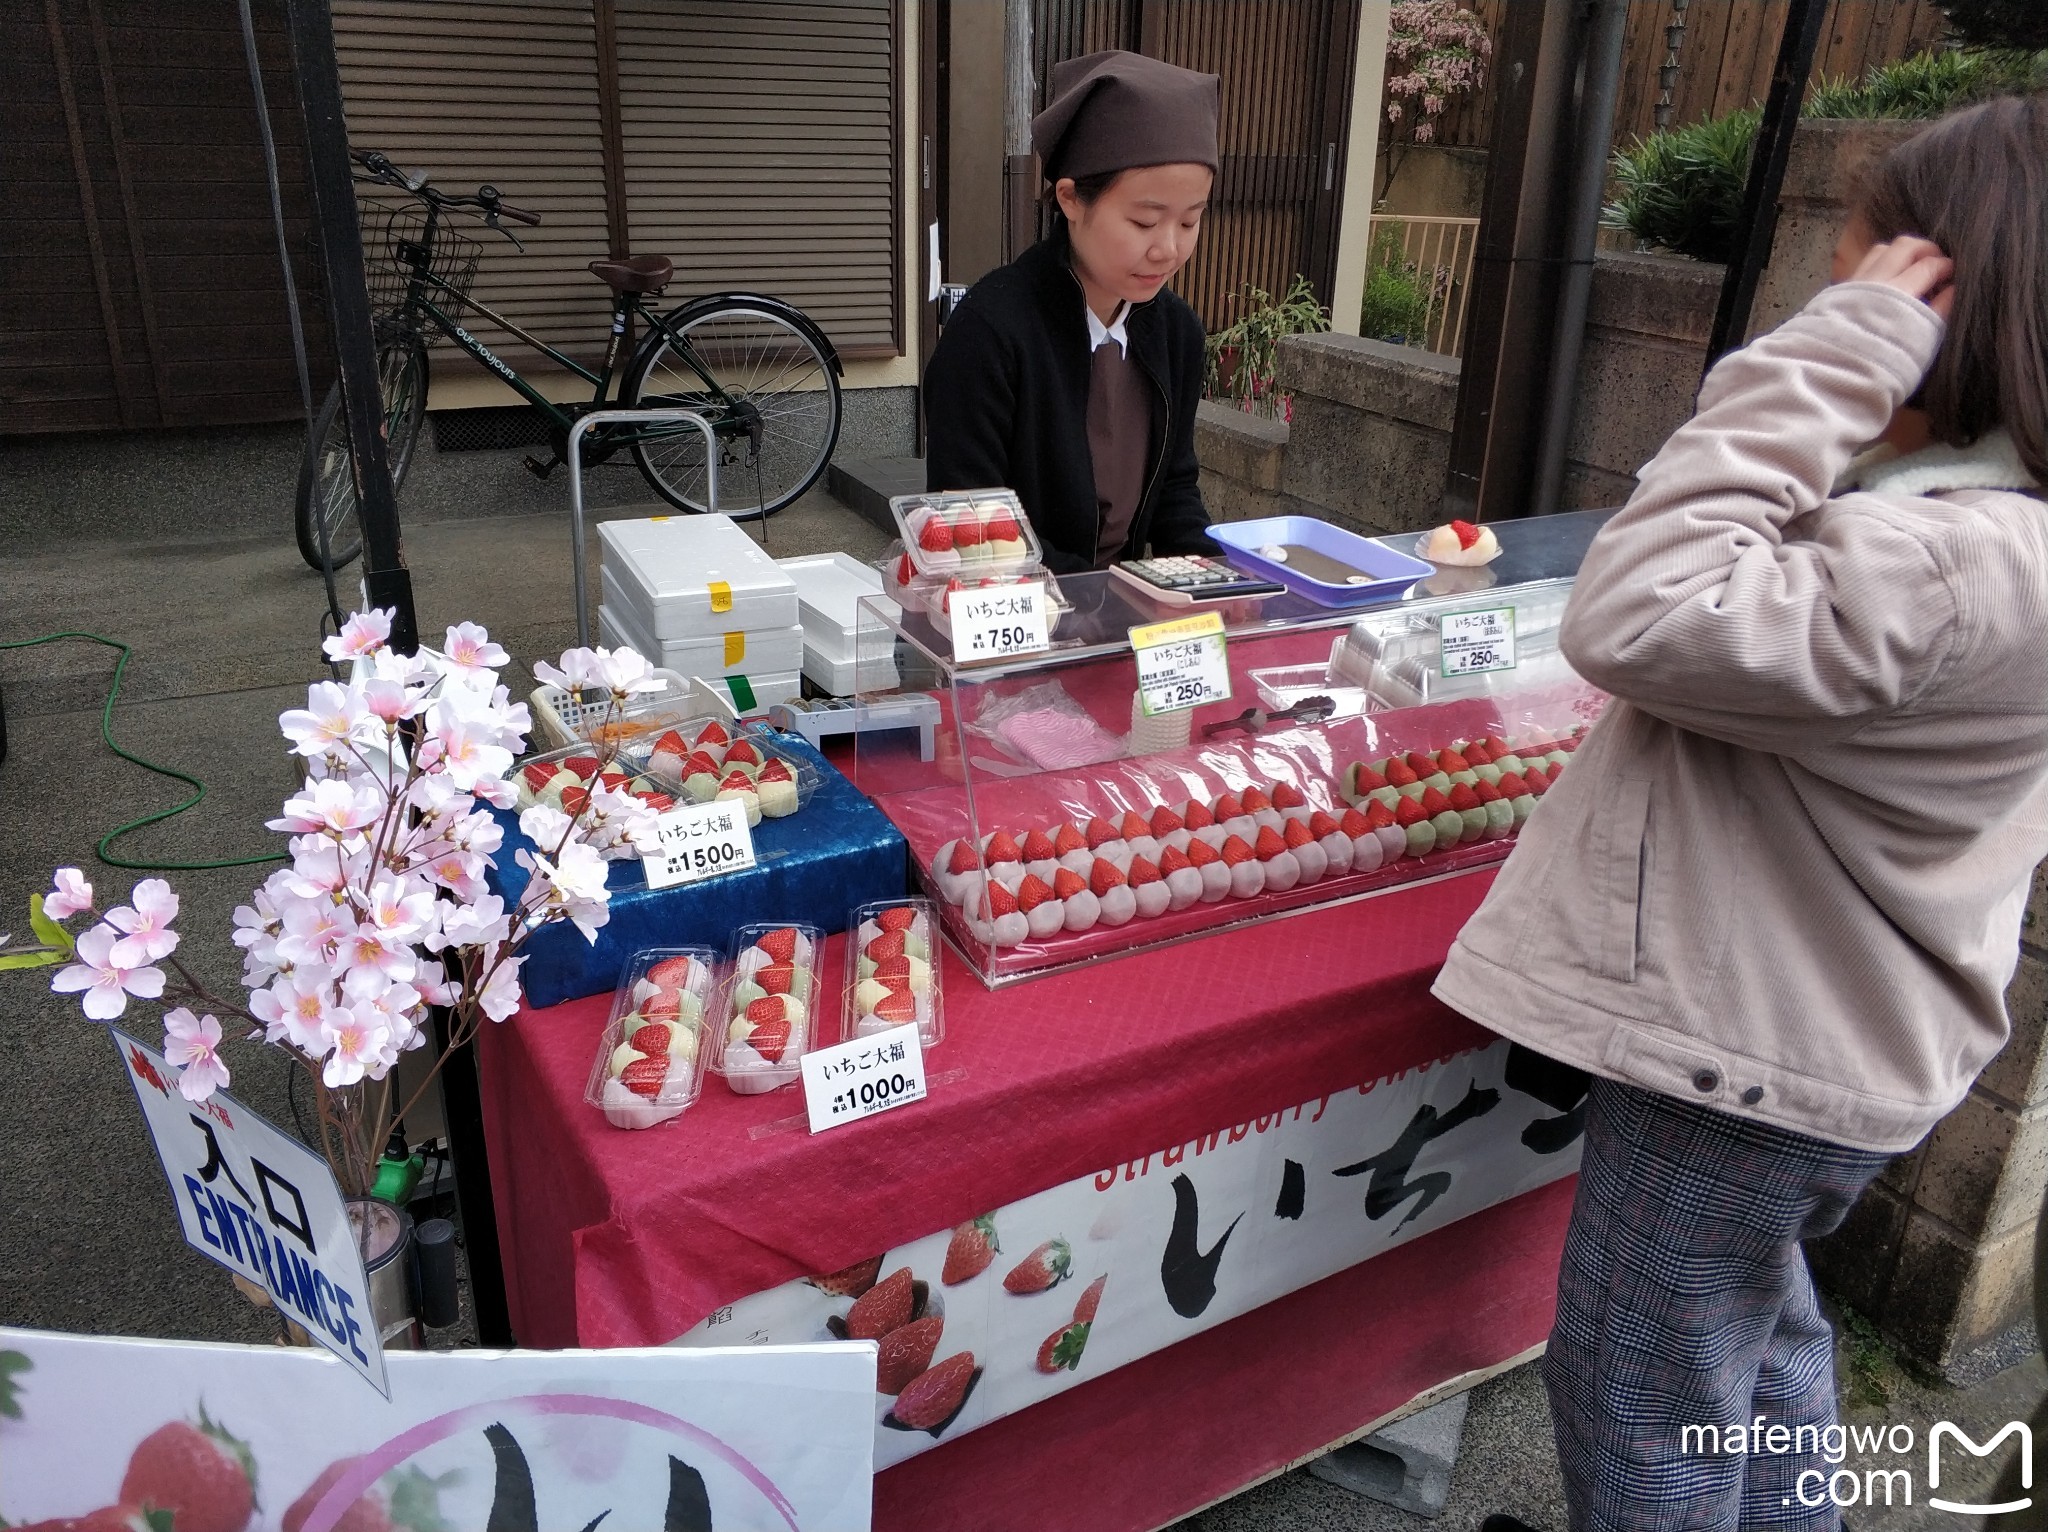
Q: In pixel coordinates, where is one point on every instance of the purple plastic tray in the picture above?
(1390, 572)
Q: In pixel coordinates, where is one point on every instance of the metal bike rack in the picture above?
(620, 417)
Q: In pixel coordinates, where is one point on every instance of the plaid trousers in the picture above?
(1684, 1299)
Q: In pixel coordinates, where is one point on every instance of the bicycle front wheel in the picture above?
(327, 487)
(769, 392)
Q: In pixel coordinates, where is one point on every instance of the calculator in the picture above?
(1181, 579)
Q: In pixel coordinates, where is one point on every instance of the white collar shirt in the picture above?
(1098, 332)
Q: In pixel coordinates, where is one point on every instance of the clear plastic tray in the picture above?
(747, 749)
(679, 986)
(873, 1000)
(761, 973)
(1471, 790)
(947, 532)
(592, 762)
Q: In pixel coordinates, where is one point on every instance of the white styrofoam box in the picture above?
(675, 571)
(767, 689)
(740, 652)
(829, 588)
(843, 678)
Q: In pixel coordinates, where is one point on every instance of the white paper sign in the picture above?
(863, 1076)
(999, 622)
(1181, 664)
(1475, 643)
(263, 1205)
(776, 1438)
(698, 841)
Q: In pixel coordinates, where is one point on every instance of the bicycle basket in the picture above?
(393, 236)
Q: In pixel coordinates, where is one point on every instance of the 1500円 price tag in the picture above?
(1181, 664)
(699, 840)
(863, 1076)
(999, 622)
(1476, 643)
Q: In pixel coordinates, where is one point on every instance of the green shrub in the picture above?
(1681, 189)
(1395, 308)
(1925, 86)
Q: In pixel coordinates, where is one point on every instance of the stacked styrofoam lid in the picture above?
(847, 641)
(697, 595)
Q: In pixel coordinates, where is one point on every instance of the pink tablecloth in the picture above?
(617, 1238)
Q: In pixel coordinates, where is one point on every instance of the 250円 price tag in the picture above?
(1476, 643)
(863, 1076)
(698, 841)
(1181, 664)
(999, 622)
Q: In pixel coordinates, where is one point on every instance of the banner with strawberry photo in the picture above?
(105, 1434)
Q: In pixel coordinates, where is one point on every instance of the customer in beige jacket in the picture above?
(1773, 907)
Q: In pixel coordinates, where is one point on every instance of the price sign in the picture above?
(1181, 664)
(699, 840)
(863, 1076)
(999, 622)
(1474, 643)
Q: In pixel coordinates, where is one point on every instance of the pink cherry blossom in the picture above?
(390, 701)
(469, 649)
(106, 981)
(149, 937)
(69, 895)
(190, 1042)
(327, 723)
(334, 808)
(500, 997)
(580, 670)
(364, 633)
(357, 1044)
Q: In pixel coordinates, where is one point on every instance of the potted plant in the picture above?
(1244, 355)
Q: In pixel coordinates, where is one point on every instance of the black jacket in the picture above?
(1006, 403)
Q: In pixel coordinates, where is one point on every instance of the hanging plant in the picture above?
(1436, 52)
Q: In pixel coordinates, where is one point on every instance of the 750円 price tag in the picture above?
(1476, 643)
(699, 840)
(999, 622)
(863, 1076)
(1181, 664)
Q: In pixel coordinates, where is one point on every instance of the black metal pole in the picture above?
(1804, 20)
(462, 1106)
(341, 252)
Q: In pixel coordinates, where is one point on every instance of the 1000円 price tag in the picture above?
(999, 622)
(1477, 643)
(699, 840)
(1181, 664)
(863, 1076)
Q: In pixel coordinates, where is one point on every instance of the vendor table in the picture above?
(614, 1238)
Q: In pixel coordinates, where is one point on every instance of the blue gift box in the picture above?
(837, 852)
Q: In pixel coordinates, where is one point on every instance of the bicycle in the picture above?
(759, 370)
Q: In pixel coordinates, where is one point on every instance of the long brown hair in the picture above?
(1976, 183)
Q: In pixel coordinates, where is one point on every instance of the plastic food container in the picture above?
(680, 577)
(718, 760)
(562, 778)
(1381, 571)
(770, 1006)
(892, 970)
(966, 532)
(936, 594)
(638, 1085)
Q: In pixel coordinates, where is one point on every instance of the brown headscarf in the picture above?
(1117, 111)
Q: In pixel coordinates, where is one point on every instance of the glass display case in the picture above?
(1065, 814)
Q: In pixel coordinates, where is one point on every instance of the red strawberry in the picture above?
(1268, 845)
(888, 945)
(964, 859)
(203, 1476)
(1448, 760)
(1287, 796)
(1321, 824)
(670, 743)
(884, 1307)
(906, 571)
(585, 766)
(1000, 900)
(1069, 839)
(1235, 850)
(935, 536)
(1400, 774)
(906, 1353)
(770, 1037)
(897, 1006)
(1143, 871)
(736, 782)
(1090, 1301)
(1484, 791)
(1103, 877)
(1366, 779)
(895, 972)
(1409, 812)
(1433, 802)
(1256, 801)
(614, 780)
(1066, 883)
(1061, 1350)
(643, 1077)
(1378, 816)
(653, 1038)
(656, 801)
(1355, 824)
(1001, 848)
(1468, 534)
(776, 978)
(1296, 834)
(1032, 892)
(850, 1281)
(119, 1518)
(1201, 853)
(538, 774)
(898, 917)
(1164, 822)
(776, 771)
(1100, 831)
(1461, 797)
(1173, 859)
(967, 533)
(1512, 785)
(1038, 847)
(1421, 764)
(1002, 528)
(1046, 1266)
(946, 600)
(369, 1513)
(930, 1399)
(1537, 780)
(1132, 826)
(1476, 753)
(713, 736)
(780, 944)
(700, 764)
(1227, 807)
(575, 800)
(971, 1250)
(1197, 816)
(1557, 771)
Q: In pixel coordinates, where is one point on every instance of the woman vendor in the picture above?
(1071, 375)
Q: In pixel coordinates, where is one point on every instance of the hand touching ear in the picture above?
(1915, 266)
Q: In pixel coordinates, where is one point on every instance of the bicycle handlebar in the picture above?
(486, 202)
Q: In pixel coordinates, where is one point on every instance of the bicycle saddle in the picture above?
(636, 274)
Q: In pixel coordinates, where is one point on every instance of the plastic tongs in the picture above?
(1254, 720)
